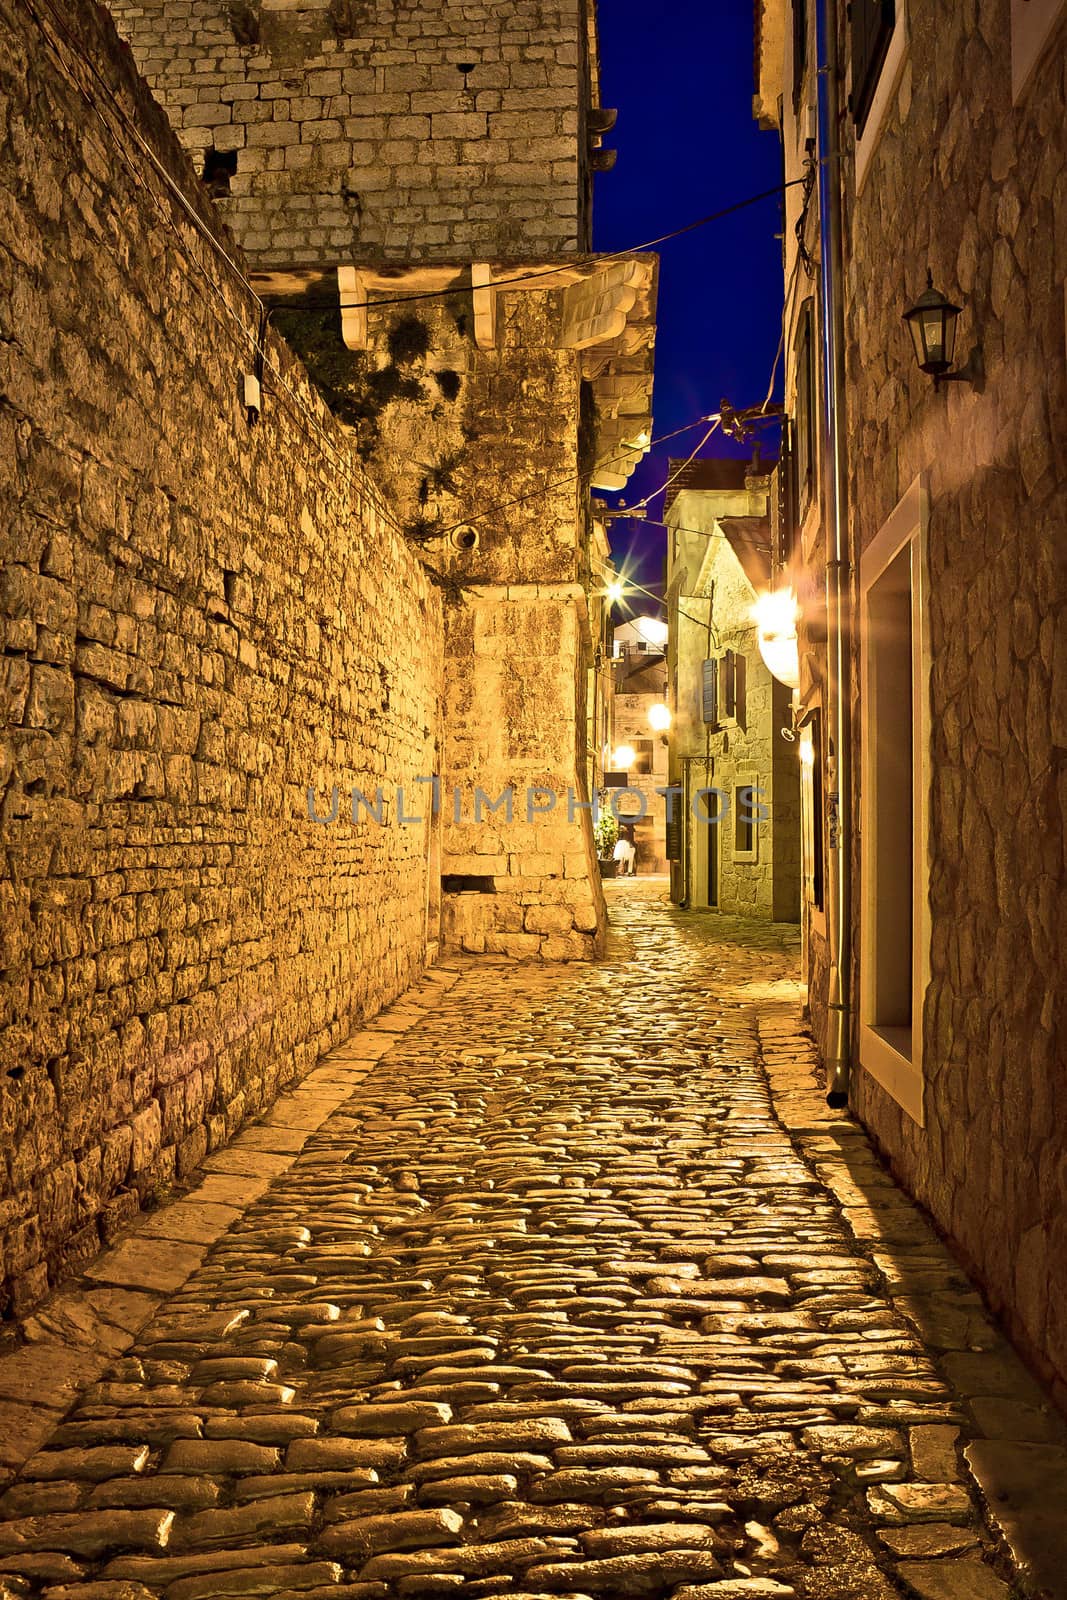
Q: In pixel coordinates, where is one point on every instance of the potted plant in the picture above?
(605, 832)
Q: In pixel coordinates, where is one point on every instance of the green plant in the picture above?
(356, 392)
(244, 20)
(606, 831)
(448, 381)
(422, 530)
(409, 340)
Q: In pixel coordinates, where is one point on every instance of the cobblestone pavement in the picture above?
(550, 1305)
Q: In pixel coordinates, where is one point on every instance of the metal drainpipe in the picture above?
(839, 796)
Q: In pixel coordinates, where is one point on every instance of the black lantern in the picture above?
(932, 324)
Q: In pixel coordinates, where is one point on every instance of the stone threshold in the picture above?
(94, 1317)
(1014, 1443)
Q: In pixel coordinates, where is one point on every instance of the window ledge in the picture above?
(886, 1053)
(888, 82)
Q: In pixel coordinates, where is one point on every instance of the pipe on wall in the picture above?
(835, 489)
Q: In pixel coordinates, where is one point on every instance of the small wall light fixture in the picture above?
(932, 324)
(659, 717)
(466, 67)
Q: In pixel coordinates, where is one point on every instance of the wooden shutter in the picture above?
(709, 686)
(740, 687)
(805, 407)
(729, 662)
(788, 518)
(800, 48)
(872, 24)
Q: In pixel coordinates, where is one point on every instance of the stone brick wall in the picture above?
(201, 619)
(513, 656)
(355, 135)
(975, 186)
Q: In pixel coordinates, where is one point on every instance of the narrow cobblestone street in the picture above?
(548, 1305)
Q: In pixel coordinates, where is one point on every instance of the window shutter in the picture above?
(729, 662)
(709, 684)
(872, 29)
(805, 466)
(800, 48)
(788, 519)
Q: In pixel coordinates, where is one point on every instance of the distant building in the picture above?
(640, 683)
(737, 844)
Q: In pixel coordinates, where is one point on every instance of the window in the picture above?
(879, 49)
(800, 49)
(219, 167)
(643, 750)
(744, 809)
(872, 29)
(894, 828)
(734, 684)
(788, 530)
(805, 410)
(1032, 22)
(811, 812)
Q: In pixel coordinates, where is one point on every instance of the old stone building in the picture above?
(923, 541)
(250, 617)
(738, 843)
(639, 692)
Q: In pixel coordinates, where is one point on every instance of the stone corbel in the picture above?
(484, 296)
(596, 308)
(352, 290)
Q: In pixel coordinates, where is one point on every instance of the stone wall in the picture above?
(353, 135)
(513, 656)
(202, 618)
(974, 186)
(480, 455)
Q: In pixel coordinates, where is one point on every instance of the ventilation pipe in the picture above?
(839, 772)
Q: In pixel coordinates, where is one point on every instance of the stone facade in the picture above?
(348, 130)
(202, 619)
(962, 169)
(718, 558)
(488, 394)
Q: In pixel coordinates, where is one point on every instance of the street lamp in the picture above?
(623, 758)
(659, 717)
(775, 616)
(615, 591)
(932, 324)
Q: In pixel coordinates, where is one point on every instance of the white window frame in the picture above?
(1032, 22)
(893, 1062)
(888, 83)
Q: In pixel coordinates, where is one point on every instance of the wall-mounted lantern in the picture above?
(932, 324)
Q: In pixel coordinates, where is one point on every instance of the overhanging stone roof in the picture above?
(608, 309)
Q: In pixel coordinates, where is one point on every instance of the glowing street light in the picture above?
(659, 717)
(615, 591)
(775, 616)
(623, 758)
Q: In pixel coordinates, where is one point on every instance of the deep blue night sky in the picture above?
(681, 77)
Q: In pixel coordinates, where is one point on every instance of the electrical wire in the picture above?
(715, 421)
(256, 339)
